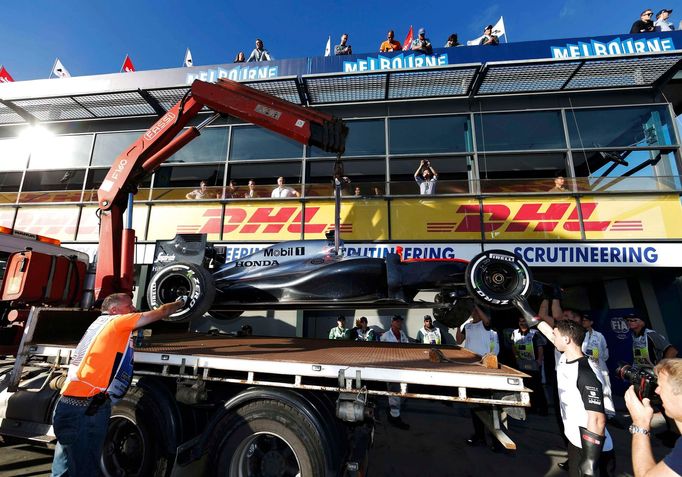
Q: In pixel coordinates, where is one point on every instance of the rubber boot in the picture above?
(592, 445)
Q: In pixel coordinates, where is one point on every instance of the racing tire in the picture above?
(182, 279)
(267, 437)
(135, 442)
(495, 277)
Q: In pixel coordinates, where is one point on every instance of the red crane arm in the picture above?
(166, 137)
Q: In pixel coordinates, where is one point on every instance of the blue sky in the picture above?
(93, 37)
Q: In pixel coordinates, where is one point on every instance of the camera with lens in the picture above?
(643, 379)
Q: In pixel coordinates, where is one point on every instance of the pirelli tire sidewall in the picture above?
(493, 263)
(188, 279)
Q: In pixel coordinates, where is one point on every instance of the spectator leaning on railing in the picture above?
(390, 44)
(343, 48)
(259, 53)
(644, 24)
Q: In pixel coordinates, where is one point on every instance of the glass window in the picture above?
(251, 142)
(367, 174)
(9, 186)
(430, 135)
(520, 172)
(61, 152)
(266, 177)
(53, 186)
(174, 182)
(13, 154)
(211, 146)
(365, 138)
(109, 146)
(452, 173)
(519, 131)
(640, 126)
(96, 176)
(626, 170)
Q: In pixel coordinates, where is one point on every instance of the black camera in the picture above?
(643, 379)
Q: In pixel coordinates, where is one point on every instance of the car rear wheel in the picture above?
(495, 277)
(182, 279)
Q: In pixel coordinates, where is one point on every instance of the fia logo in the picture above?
(620, 327)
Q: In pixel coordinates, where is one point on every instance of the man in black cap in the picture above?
(488, 37)
(340, 332)
(644, 24)
(648, 346)
(663, 22)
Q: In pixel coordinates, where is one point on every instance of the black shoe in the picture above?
(399, 423)
(475, 441)
(563, 465)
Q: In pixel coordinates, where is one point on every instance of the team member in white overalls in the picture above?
(595, 348)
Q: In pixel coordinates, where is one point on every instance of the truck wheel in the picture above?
(134, 442)
(182, 279)
(495, 277)
(267, 438)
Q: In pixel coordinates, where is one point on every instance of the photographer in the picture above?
(669, 372)
(426, 176)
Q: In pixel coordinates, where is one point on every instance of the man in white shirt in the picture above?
(426, 176)
(283, 192)
(395, 335)
(479, 338)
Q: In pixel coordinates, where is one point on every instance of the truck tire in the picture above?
(135, 441)
(495, 277)
(182, 279)
(267, 437)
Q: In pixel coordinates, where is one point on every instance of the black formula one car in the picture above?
(311, 275)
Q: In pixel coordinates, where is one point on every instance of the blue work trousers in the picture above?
(79, 439)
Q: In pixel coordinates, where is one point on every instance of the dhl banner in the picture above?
(623, 217)
(88, 229)
(603, 218)
(59, 222)
(265, 221)
(432, 220)
(7, 217)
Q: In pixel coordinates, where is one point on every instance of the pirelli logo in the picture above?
(530, 217)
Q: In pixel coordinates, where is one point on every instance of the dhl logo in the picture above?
(267, 220)
(533, 217)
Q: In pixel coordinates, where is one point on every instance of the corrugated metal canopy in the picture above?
(453, 81)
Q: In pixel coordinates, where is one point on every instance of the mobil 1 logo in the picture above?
(284, 252)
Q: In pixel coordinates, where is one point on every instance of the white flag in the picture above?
(59, 71)
(328, 48)
(188, 59)
(498, 31)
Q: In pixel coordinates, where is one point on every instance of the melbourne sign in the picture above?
(399, 62)
(615, 47)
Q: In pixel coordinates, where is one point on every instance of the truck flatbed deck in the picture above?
(323, 365)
